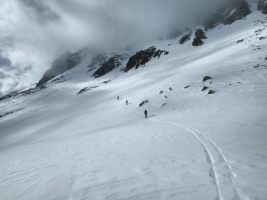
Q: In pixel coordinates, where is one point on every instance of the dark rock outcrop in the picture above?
(199, 37)
(226, 13)
(143, 103)
(197, 42)
(61, 65)
(185, 38)
(200, 34)
(204, 88)
(111, 64)
(143, 57)
(211, 92)
(206, 78)
(262, 6)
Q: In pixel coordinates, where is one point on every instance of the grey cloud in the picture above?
(39, 10)
(105, 23)
(4, 61)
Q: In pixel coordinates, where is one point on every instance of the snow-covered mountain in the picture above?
(81, 132)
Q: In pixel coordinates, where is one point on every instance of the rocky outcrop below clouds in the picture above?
(144, 56)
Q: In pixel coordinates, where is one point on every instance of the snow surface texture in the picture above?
(55, 144)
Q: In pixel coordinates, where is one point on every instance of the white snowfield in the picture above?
(57, 145)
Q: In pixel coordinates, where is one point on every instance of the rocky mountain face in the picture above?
(111, 64)
(226, 13)
(198, 40)
(262, 6)
(144, 56)
(101, 63)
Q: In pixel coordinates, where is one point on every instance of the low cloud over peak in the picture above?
(39, 31)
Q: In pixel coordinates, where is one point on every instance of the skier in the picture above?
(118, 98)
(146, 114)
(127, 103)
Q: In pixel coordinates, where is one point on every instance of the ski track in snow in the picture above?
(221, 170)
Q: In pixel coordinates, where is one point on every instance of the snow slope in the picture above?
(55, 144)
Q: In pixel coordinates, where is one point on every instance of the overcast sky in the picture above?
(34, 32)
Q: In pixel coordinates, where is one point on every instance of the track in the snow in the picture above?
(221, 171)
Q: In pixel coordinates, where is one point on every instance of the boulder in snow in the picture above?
(211, 92)
(199, 37)
(206, 78)
(239, 41)
(204, 88)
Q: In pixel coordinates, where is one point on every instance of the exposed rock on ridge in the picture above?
(227, 13)
(144, 56)
(111, 64)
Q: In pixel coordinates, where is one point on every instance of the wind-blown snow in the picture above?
(56, 144)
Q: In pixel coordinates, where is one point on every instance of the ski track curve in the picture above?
(221, 171)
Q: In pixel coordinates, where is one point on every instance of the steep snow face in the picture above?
(204, 138)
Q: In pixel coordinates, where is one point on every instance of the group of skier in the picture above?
(127, 103)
